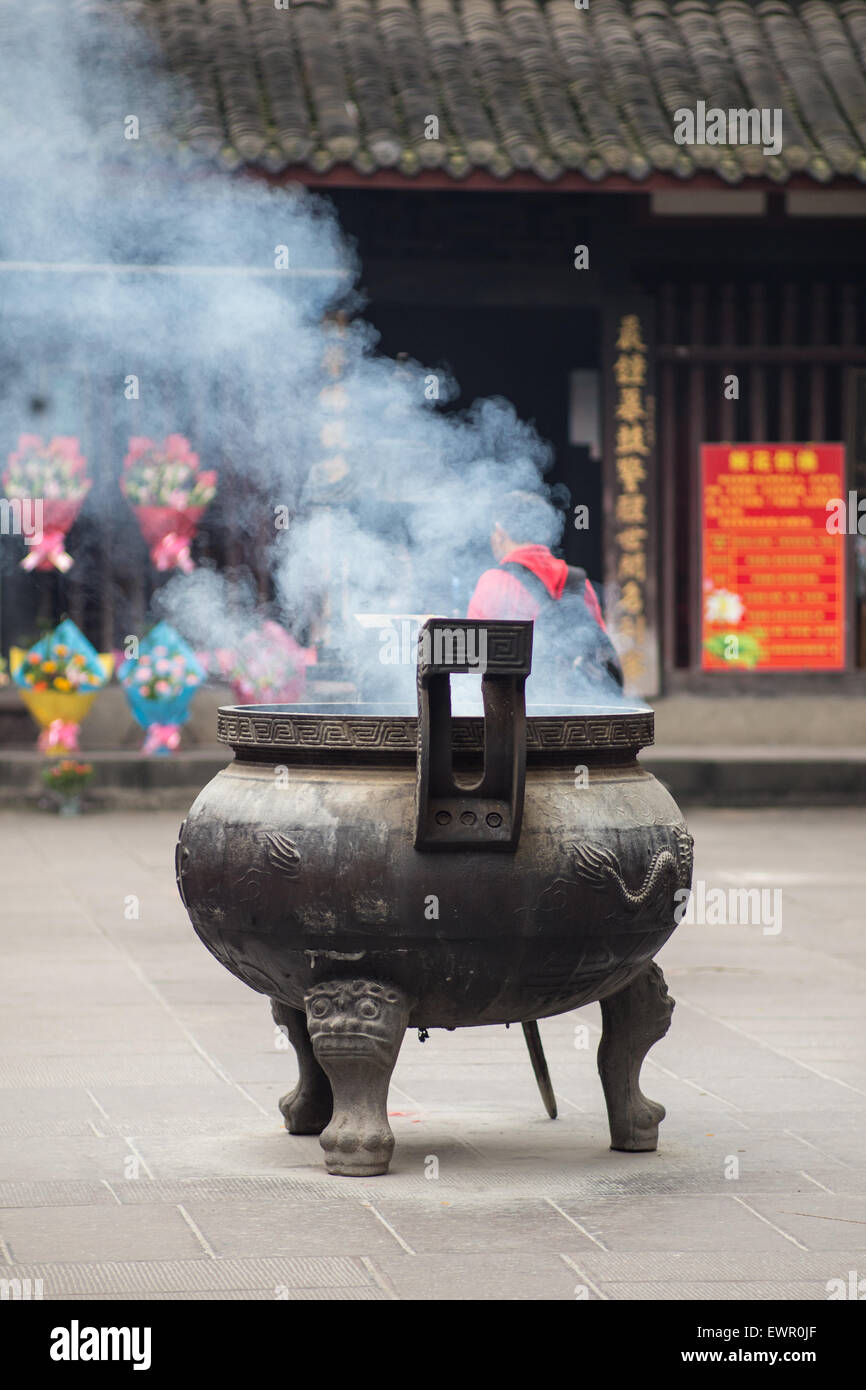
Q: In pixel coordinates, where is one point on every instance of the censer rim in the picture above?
(343, 727)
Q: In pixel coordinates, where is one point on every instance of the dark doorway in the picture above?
(525, 355)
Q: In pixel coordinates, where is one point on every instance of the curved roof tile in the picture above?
(517, 85)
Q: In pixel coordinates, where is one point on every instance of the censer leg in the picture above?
(356, 1028)
(632, 1021)
(539, 1066)
(306, 1109)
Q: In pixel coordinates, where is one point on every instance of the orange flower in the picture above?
(61, 683)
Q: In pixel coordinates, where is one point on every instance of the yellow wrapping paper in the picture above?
(47, 705)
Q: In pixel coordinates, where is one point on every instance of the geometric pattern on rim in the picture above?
(399, 732)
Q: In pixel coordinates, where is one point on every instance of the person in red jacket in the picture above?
(529, 582)
(521, 519)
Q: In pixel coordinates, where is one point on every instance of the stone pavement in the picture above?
(142, 1154)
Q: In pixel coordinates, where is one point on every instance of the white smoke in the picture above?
(236, 361)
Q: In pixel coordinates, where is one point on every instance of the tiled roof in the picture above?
(538, 86)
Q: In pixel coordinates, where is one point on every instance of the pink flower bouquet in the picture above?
(53, 477)
(267, 667)
(168, 492)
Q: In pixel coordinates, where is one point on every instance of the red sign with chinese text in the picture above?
(773, 592)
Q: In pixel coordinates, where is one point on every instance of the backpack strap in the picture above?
(575, 580)
(604, 652)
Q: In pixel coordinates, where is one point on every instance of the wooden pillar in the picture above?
(697, 436)
(668, 440)
(630, 487)
(728, 408)
(788, 378)
(759, 429)
(818, 373)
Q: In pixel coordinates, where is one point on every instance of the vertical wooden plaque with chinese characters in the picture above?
(631, 491)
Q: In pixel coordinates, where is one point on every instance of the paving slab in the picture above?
(103, 1231)
(134, 1278)
(482, 1278)
(295, 1226)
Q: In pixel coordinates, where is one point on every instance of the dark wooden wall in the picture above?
(792, 345)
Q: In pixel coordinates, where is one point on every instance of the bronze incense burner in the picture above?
(373, 871)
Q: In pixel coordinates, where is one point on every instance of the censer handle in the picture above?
(488, 814)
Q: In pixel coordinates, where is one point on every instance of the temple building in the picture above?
(541, 198)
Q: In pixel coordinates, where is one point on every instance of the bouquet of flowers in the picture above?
(52, 479)
(168, 492)
(68, 779)
(58, 680)
(67, 776)
(267, 667)
(160, 683)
